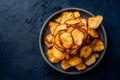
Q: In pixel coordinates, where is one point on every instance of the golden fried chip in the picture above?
(57, 54)
(81, 67)
(97, 45)
(60, 27)
(66, 16)
(66, 55)
(78, 36)
(49, 40)
(72, 21)
(94, 22)
(66, 39)
(58, 19)
(51, 58)
(69, 29)
(90, 60)
(65, 64)
(85, 51)
(75, 60)
(96, 55)
(76, 14)
(58, 43)
(52, 26)
(74, 51)
(93, 33)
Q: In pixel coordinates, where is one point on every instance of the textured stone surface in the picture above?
(20, 23)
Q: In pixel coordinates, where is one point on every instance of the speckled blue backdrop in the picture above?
(20, 24)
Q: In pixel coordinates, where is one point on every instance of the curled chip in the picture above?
(97, 45)
(94, 22)
(78, 36)
(51, 58)
(90, 60)
(58, 43)
(65, 64)
(52, 26)
(60, 27)
(85, 51)
(81, 67)
(66, 16)
(96, 55)
(93, 33)
(49, 40)
(66, 39)
(59, 55)
(76, 14)
(72, 21)
(75, 60)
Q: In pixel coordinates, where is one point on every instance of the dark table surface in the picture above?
(20, 24)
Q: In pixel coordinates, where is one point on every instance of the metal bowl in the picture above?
(45, 30)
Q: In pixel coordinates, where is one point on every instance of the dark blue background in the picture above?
(20, 24)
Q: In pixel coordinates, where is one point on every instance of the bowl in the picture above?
(45, 30)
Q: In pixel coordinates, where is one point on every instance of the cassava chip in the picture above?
(78, 36)
(96, 55)
(81, 67)
(60, 27)
(59, 55)
(76, 14)
(49, 40)
(93, 33)
(75, 60)
(90, 60)
(85, 51)
(97, 45)
(66, 16)
(66, 39)
(65, 64)
(58, 43)
(94, 22)
(52, 26)
(51, 58)
(72, 21)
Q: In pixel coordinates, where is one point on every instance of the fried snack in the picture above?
(74, 46)
(97, 45)
(58, 43)
(94, 22)
(78, 37)
(73, 21)
(52, 26)
(96, 55)
(93, 33)
(74, 51)
(69, 29)
(74, 41)
(66, 16)
(65, 64)
(60, 27)
(84, 21)
(66, 39)
(81, 67)
(51, 58)
(85, 51)
(90, 60)
(49, 40)
(58, 19)
(76, 14)
(66, 55)
(75, 60)
(59, 55)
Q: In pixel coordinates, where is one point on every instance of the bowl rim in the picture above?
(43, 54)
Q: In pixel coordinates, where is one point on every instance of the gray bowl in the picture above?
(45, 30)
